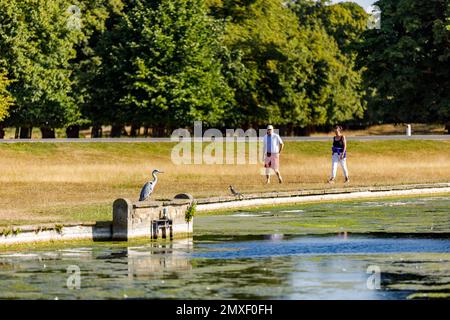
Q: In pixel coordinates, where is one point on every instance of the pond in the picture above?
(391, 249)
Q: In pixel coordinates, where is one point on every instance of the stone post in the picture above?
(122, 209)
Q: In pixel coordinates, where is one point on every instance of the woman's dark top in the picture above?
(338, 143)
(338, 146)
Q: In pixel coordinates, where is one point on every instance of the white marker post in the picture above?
(408, 130)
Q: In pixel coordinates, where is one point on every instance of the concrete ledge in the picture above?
(253, 200)
(27, 234)
(151, 219)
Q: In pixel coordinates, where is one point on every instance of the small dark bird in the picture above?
(235, 193)
(148, 188)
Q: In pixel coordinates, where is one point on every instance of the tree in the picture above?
(265, 58)
(35, 48)
(6, 100)
(345, 22)
(408, 62)
(334, 86)
(96, 17)
(107, 80)
(334, 30)
(160, 66)
(285, 68)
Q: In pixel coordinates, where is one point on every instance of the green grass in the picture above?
(160, 148)
(82, 213)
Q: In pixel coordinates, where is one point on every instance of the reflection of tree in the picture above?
(374, 21)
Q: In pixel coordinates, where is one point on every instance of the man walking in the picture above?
(273, 145)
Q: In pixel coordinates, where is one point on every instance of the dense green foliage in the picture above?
(95, 14)
(5, 97)
(162, 64)
(408, 62)
(285, 69)
(190, 212)
(161, 59)
(35, 49)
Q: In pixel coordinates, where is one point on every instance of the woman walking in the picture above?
(339, 155)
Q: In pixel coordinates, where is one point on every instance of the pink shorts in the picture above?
(273, 161)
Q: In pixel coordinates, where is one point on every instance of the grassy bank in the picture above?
(62, 182)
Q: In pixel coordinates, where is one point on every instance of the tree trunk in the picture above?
(135, 130)
(116, 131)
(145, 131)
(73, 132)
(305, 131)
(447, 127)
(2, 132)
(287, 130)
(25, 132)
(48, 133)
(159, 131)
(96, 132)
(16, 134)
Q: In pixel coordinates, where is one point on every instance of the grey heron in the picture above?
(148, 188)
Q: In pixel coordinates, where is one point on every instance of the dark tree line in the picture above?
(161, 64)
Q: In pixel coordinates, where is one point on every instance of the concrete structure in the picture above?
(152, 219)
(95, 231)
(332, 194)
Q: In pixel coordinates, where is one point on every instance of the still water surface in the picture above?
(255, 265)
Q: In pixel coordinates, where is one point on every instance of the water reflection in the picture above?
(254, 256)
(325, 245)
(343, 235)
(331, 278)
(159, 259)
(275, 266)
(274, 237)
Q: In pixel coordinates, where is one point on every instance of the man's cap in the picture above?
(270, 127)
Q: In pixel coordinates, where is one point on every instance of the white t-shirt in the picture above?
(276, 142)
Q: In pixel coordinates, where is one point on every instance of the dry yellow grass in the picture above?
(51, 182)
